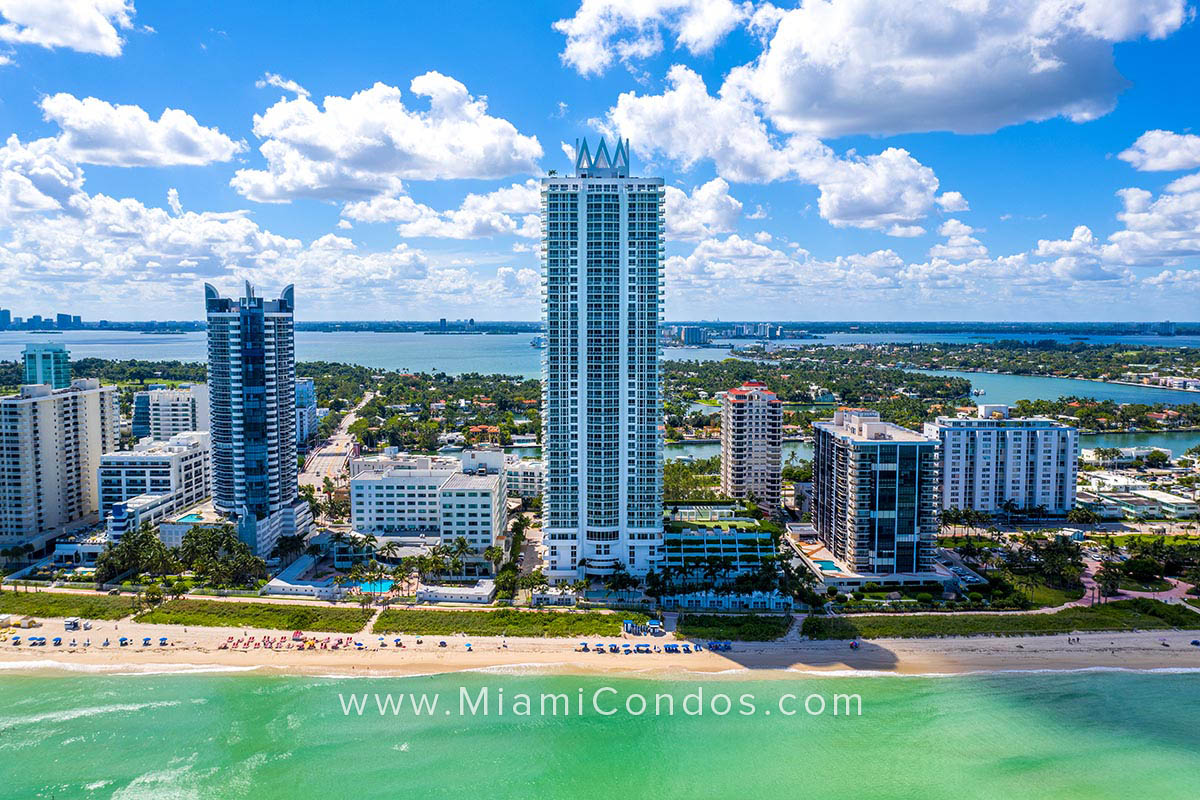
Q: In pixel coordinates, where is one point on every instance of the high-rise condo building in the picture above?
(751, 443)
(252, 410)
(51, 441)
(994, 463)
(162, 413)
(602, 253)
(152, 480)
(47, 363)
(875, 493)
(306, 410)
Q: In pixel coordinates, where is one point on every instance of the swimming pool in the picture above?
(192, 518)
(374, 587)
(826, 566)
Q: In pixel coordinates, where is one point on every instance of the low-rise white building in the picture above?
(430, 507)
(1114, 481)
(1171, 505)
(153, 480)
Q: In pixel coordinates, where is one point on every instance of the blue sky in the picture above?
(860, 159)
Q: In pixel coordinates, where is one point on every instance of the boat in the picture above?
(978, 392)
(538, 341)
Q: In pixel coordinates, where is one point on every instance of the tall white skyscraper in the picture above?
(602, 253)
(252, 408)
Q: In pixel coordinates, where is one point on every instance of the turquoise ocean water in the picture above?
(1088, 735)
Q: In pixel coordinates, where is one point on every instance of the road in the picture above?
(330, 459)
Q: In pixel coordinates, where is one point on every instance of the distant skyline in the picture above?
(865, 159)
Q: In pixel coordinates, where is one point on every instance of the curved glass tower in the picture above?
(252, 386)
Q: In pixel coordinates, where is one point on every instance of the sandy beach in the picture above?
(199, 648)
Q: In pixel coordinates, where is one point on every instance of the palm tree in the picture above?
(460, 550)
(390, 550)
(494, 555)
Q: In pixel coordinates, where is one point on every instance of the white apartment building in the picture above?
(992, 460)
(427, 507)
(602, 257)
(525, 477)
(393, 458)
(162, 413)
(751, 444)
(51, 441)
(153, 480)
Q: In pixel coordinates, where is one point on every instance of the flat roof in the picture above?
(892, 432)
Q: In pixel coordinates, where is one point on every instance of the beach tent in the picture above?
(297, 636)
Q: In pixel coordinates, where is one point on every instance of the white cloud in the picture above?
(960, 245)
(884, 66)
(97, 132)
(507, 211)
(62, 244)
(604, 30)
(1163, 150)
(887, 191)
(88, 26)
(363, 145)
(36, 177)
(709, 210)
(952, 202)
(278, 81)
(511, 210)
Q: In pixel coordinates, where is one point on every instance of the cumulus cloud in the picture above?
(35, 177)
(88, 26)
(884, 67)
(960, 245)
(887, 191)
(273, 79)
(363, 145)
(604, 30)
(952, 202)
(707, 211)
(63, 243)
(98, 132)
(1160, 150)
(510, 210)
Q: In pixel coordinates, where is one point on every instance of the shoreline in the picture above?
(196, 651)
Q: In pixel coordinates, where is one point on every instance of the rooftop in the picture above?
(861, 425)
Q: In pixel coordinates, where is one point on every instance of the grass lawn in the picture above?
(217, 614)
(1153, 585)
(1044, 596)
(1124, 539)
(736, 627)
(1122, 615)
(505, 622)
(55, 604)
